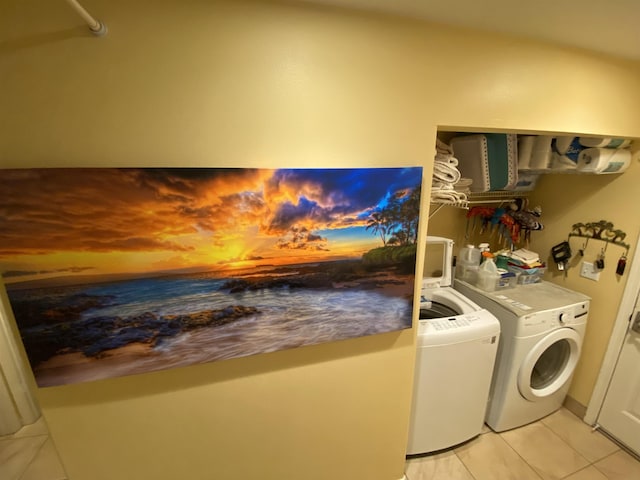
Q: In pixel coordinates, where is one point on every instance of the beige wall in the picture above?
(239, 84)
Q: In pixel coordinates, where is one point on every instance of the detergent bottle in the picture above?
(488, 275)
(468, 263)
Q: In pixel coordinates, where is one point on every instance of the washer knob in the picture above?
(562, 317)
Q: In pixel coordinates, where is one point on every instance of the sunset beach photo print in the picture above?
(114, 272)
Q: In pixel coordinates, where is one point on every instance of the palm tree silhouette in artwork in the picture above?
(397, 223)
(379, 224)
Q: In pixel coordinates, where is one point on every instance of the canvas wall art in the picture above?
(115, 272)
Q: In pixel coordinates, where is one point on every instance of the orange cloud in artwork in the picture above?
(100, 221)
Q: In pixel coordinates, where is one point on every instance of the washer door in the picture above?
(550, 364)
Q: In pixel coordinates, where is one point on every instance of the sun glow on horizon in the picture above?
(82, 222)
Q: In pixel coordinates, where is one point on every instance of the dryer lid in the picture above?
(438, 260)
(533, 298)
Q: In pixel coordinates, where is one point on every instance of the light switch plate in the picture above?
(587, 270)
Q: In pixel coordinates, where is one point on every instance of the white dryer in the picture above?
(542, 328)
(456, 350)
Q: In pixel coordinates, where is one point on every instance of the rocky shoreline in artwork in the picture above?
(311, 280)
(54, 324)
(94, 336)
(366, 274)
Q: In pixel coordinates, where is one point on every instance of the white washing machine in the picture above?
(542, 328)
(456, 351)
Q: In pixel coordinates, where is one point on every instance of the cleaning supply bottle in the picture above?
(468, 263)
(484, 249)
(488, 274)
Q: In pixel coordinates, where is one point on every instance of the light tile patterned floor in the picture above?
(558, 447)
(29, 454)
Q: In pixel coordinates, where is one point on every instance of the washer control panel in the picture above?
(460, 321)
(549, 319)
(466, 321)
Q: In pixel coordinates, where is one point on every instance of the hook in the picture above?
(584, 247)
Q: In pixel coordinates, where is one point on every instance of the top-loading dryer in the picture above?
(542, 328)
(456, 350)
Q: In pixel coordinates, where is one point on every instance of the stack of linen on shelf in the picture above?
(527, 265)
(447, 186)
(525, 258)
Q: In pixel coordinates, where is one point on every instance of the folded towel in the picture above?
(445, 172)
(447, 195)
(447, 159)
(443, 148)
(524, 255)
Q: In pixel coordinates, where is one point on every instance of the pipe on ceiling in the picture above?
(96, 27)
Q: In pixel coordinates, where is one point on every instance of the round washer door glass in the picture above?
(549, 365)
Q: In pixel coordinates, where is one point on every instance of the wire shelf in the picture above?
(498, 196)
(478, 198)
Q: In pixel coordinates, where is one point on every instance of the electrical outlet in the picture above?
(588, 271)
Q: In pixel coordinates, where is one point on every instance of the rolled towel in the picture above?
(445, 172)
(448, 159)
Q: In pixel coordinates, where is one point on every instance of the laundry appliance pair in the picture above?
(505, 357)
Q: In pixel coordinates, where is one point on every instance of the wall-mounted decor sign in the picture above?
(114, 272)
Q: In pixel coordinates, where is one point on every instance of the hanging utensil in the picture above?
(584, 247)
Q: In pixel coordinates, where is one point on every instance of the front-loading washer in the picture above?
(455, 354)
(542, 329)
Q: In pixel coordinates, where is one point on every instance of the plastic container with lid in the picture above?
(507, 279)
(527, 276)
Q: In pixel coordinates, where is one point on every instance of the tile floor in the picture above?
(29, 454)
(557, 447)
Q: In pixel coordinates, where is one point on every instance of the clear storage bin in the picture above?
(527, 276)
(507, 281)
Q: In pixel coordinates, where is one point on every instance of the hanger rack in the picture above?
(464, 204)
(479, 198)
(602, 230)
(499, 196)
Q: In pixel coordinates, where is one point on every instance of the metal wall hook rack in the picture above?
(602, 231)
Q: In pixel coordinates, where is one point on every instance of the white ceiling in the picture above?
(606, 26)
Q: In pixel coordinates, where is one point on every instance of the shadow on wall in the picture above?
(33, 41)
(135, 386)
